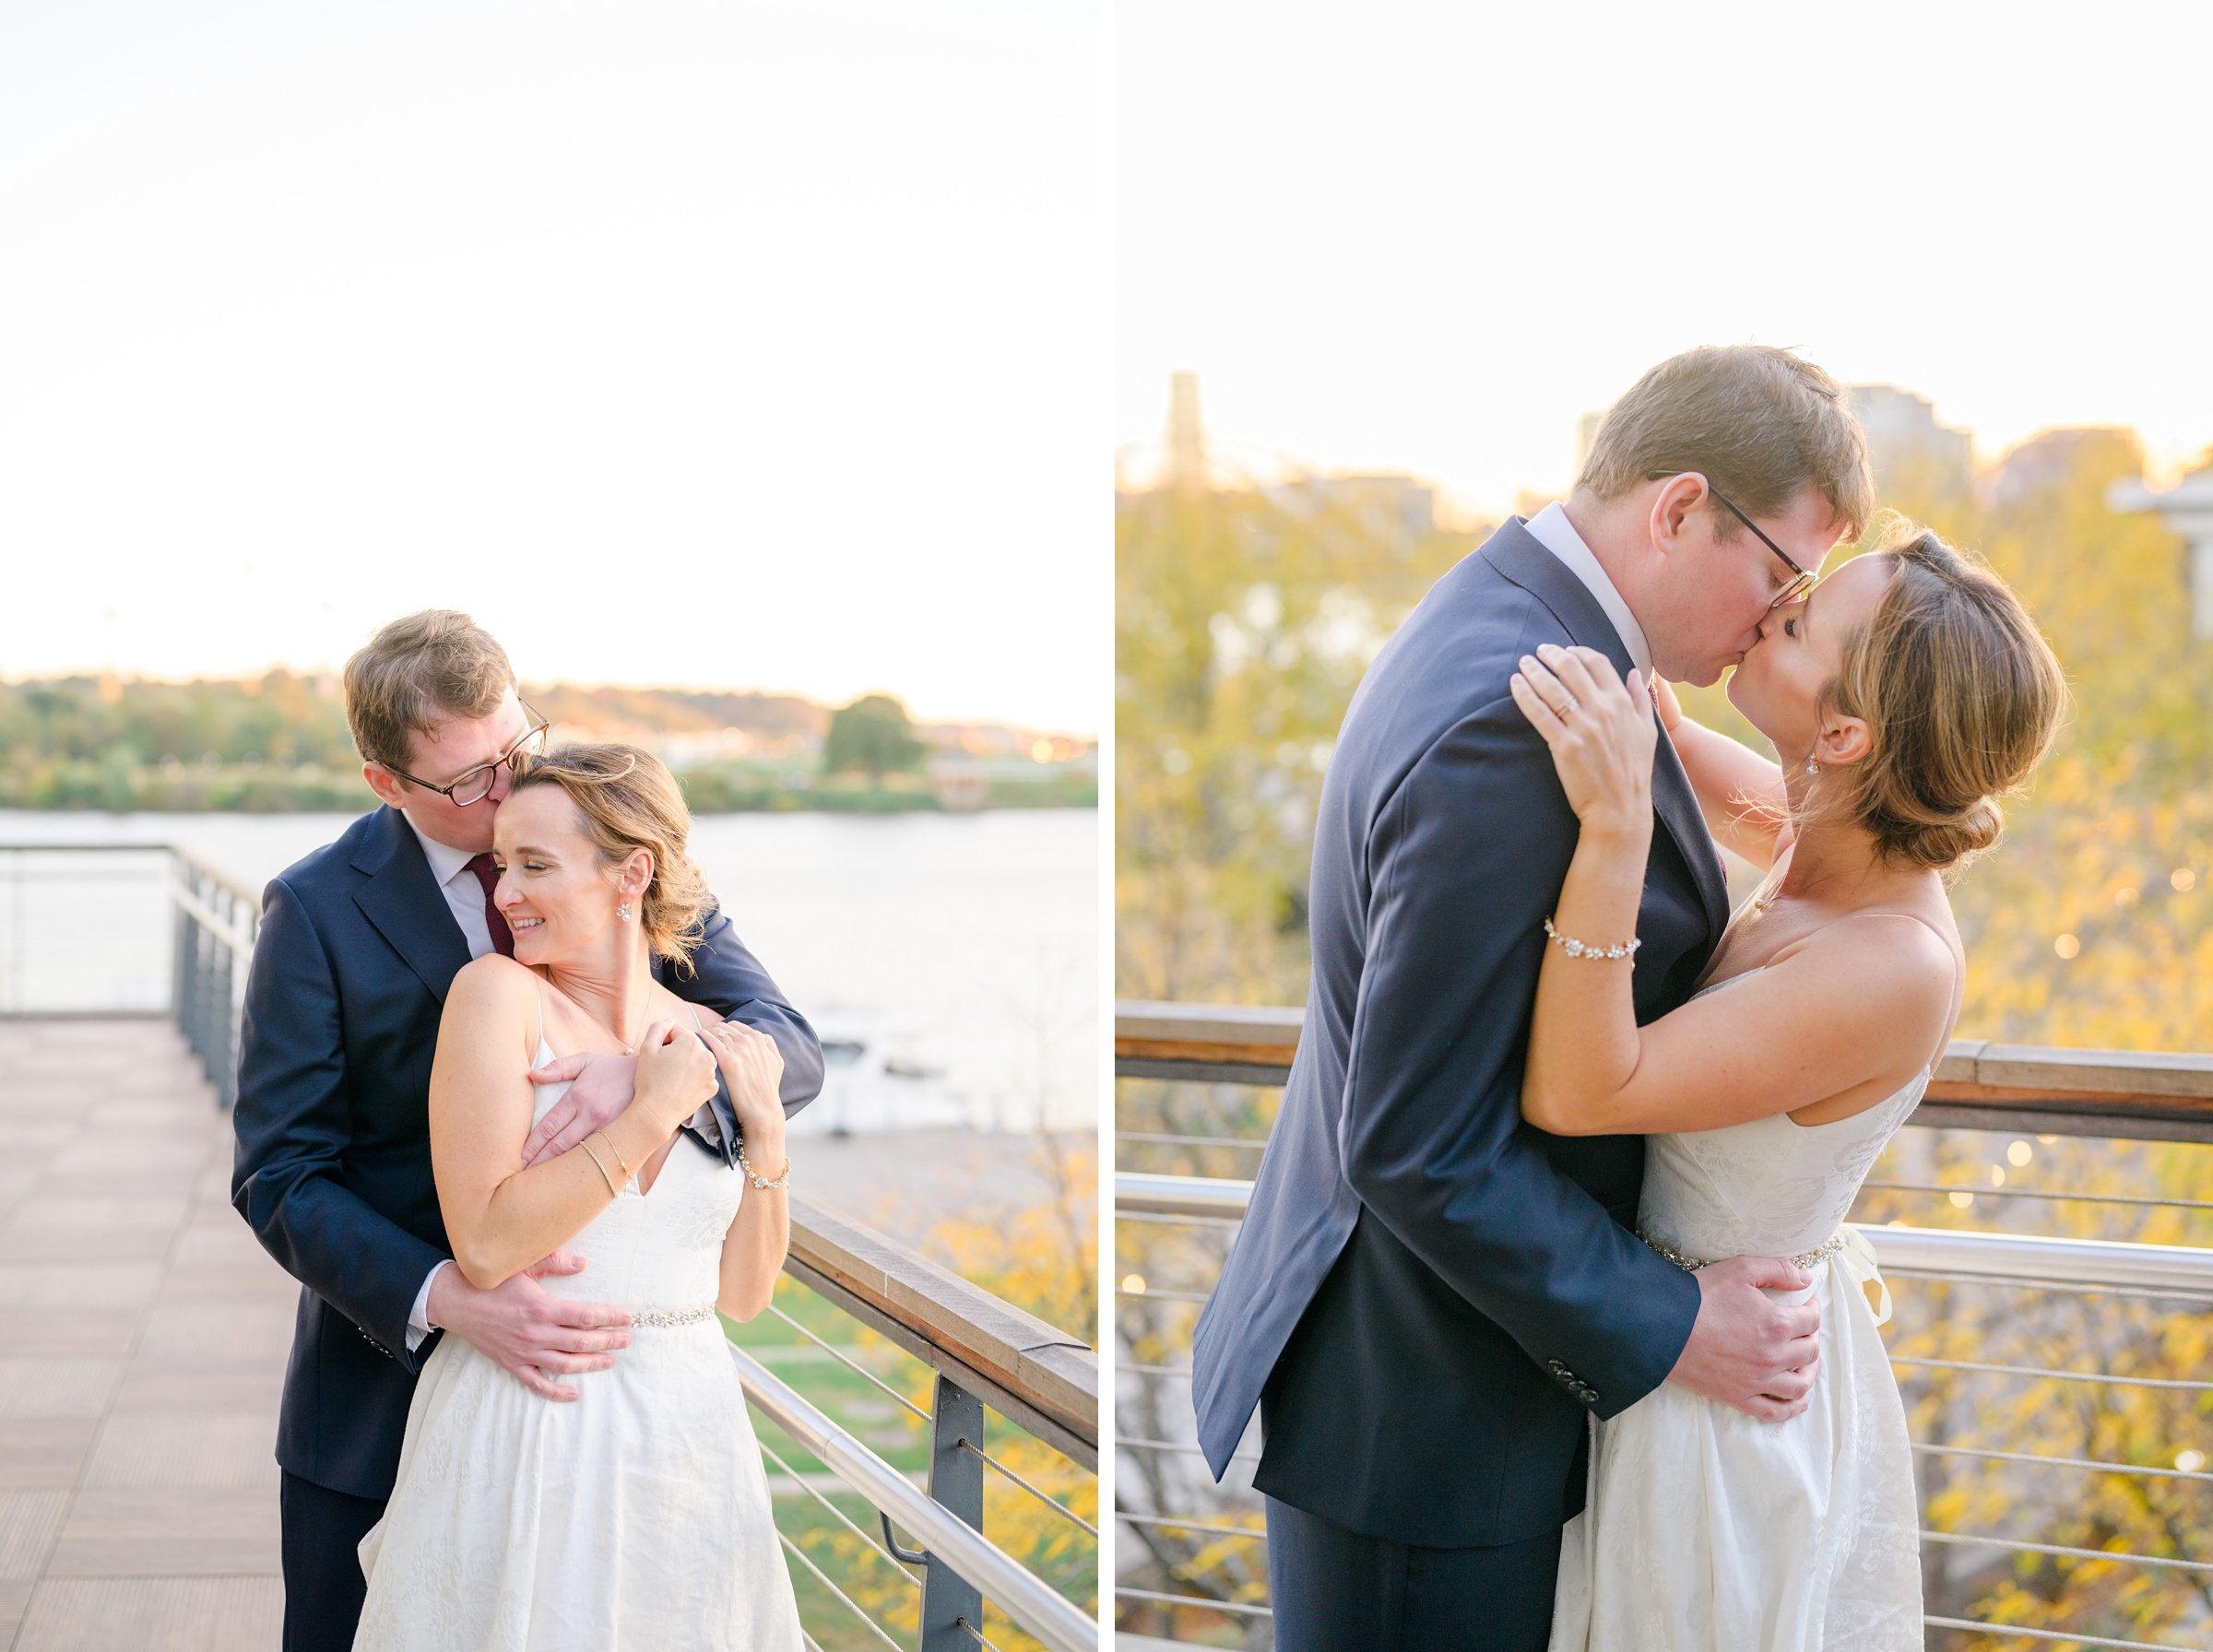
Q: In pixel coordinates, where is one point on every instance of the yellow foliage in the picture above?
(1242, 631)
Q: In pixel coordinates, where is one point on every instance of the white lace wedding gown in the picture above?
(1708, 1530)
(635, 1517)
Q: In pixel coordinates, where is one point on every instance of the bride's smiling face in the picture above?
(556, 892)
(1800, 652)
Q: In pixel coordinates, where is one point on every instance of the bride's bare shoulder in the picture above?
(489, 989)
(1886, 963)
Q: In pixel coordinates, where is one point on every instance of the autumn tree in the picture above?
(872, 736)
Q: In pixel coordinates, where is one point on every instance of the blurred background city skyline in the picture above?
(1429, 243)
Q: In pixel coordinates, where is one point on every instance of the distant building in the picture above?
(1914, 457)
(2187, 510)
(2046, 459)
(1398, 510)
(1186, 437)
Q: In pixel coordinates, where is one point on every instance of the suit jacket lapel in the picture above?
(403, 903)
(1678, 807)
(1518, 554)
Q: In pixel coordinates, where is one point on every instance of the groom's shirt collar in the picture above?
(464, 895)
(1551, 528)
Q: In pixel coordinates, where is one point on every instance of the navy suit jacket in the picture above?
(333, 1170)
(1428, 1290)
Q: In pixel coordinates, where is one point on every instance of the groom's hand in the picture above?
(527, 1328)
(600, 1095)
(1746, 1350)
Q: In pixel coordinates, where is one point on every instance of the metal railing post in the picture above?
(952, 1607)
(188, 993)
(222, 1032)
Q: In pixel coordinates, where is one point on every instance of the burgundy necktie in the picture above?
(488, 875)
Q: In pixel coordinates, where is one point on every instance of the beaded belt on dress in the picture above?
(1847, 1245)
(1822, 1252)
(666, 1318)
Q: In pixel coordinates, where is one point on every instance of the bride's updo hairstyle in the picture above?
(630, 801)
(1961, 695)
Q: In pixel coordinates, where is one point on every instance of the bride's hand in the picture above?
(1601, 732)
(754, 1069)
(675, 1075)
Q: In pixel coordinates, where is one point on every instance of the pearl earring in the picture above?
(622, 912)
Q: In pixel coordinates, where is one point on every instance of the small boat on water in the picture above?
(874, 1080)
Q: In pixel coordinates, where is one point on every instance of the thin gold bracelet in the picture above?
(586, 1145)
(627, 1171)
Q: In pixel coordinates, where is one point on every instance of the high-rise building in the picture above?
(1187, 438)
(1400, 511)
(1914, 457)
(2047, 457)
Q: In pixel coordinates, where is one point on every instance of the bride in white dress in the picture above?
(1906, 693)
(636, 1515)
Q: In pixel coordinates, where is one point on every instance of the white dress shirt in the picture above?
(1551, 528)
(449, 866)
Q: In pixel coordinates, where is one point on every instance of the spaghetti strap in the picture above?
(1958, 970)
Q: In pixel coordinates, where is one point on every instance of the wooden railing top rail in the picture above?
(1033, 1373)
(2156, 1095)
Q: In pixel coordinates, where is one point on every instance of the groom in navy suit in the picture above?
(1429, 1296)
(358, 943)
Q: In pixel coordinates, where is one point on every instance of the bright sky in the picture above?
(1428, 236)
(731, 344)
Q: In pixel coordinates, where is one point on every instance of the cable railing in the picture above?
(1990, 1434)
(975, 1352)
(974, 1348)
(80, 934)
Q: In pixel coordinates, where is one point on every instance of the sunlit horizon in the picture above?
(680, 345)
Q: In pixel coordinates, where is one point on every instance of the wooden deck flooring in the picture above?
(143, 1335)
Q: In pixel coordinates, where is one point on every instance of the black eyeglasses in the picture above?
(1801, 583)
(473, 785)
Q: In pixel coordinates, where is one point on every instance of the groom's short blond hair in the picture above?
(1758, 423)
(415, 673)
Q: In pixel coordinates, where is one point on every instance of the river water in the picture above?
(962, 948)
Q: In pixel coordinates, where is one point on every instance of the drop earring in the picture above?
(1812, 767)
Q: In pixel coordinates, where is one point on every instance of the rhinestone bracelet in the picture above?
(1584, 948)
(757, 1178)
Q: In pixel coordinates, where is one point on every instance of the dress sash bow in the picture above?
(1856, 1257)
